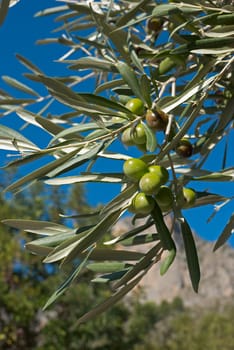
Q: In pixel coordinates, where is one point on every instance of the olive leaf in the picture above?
(191, 254)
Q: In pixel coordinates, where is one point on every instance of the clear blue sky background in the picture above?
(18, 35)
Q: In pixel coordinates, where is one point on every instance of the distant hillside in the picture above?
(217, 273)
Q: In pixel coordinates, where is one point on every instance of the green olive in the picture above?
(164, 198)
(161, 172)
(142, 204)
(189, 197)
(134, 168)
(138, 134)
(184, 148)
(170, 62)
(135, 105)
(150, 183)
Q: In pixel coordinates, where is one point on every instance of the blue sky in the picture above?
(18, 35)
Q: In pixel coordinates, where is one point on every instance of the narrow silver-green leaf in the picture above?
(46, 228)
(39, 173)
(130, 234)
(29, 64)
(100, 177)
(18, 85)
(94, 235)
(146, 89)
(129, 76)
(166, 263)
(121, 200)
(105, 254)
(68, 281)
(151, 140)
(93, 63)
(74, 162)
(226, 234)
(106, 267)
(52, 240)
(110, 277)
(145, 263)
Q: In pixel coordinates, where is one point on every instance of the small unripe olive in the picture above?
(134, 168)
(164, 198)
(160, 171)
(138, 134)
(170, 62)
(189, 197)
(135, 105)
(184, 148)
(156, 120)
(142, 204)
(150, 183)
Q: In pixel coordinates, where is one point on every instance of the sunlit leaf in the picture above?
(101, 177)
(18, 85)
(46, 228)
(226, 234)
(29, 64)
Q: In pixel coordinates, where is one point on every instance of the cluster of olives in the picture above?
(151, 181)
(157, 120)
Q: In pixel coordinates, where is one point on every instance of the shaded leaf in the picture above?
(130, 234)
(151, 140)
(162, 229)
(67, 282)
(93, 235)
(191, 254)
(140, 239)
(110, 277)
(130, 78)
(122, 200)
(4, 10)
(142, 266)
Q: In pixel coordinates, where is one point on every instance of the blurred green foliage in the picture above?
(25, 285)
